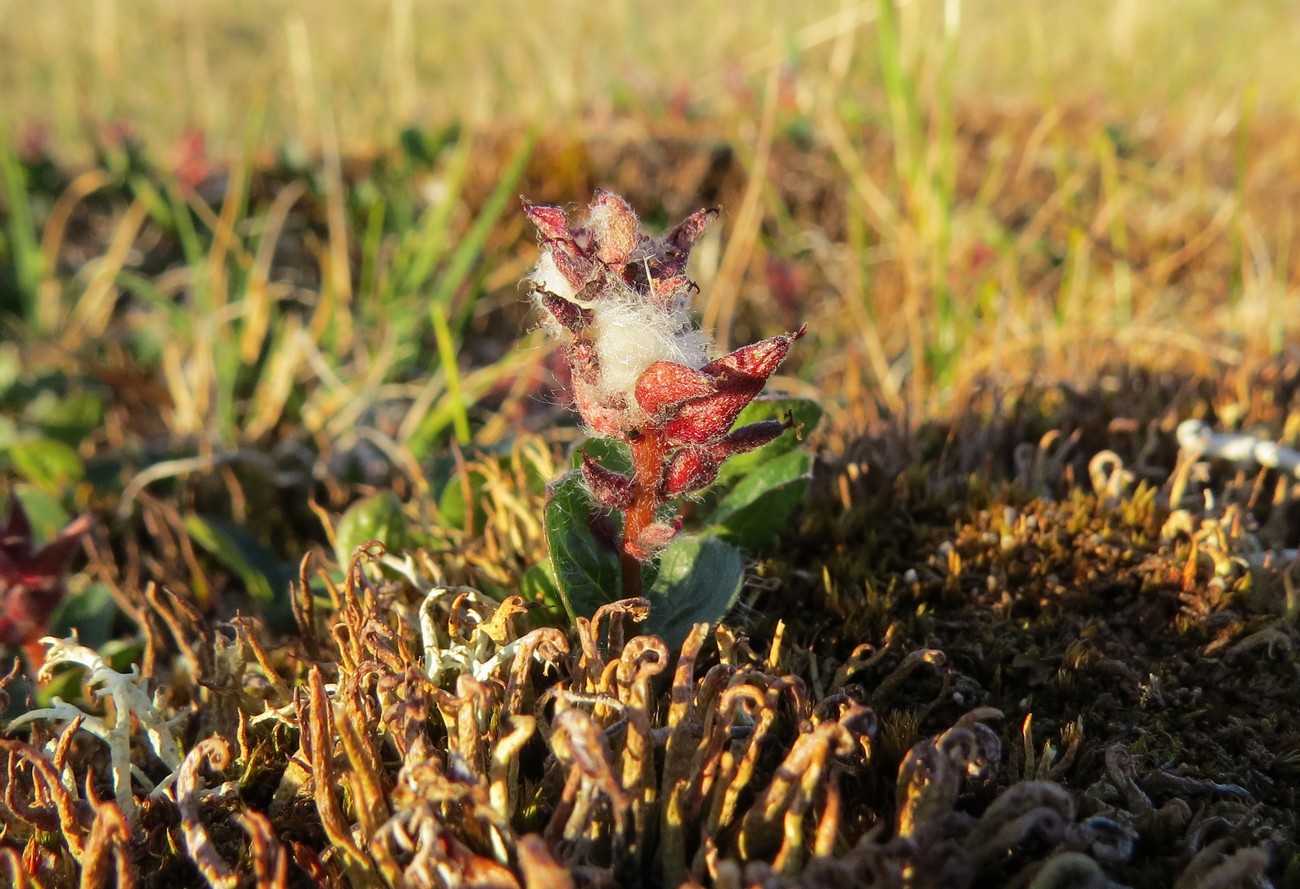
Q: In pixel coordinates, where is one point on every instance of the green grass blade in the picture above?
(24, 246)
(471, 247)
(447, 357)
(432, 239)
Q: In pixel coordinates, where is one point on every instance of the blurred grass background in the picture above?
(379, 67)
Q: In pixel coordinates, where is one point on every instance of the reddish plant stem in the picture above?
(648, 449)
(631, 567)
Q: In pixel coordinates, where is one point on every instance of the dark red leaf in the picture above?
(552, 222)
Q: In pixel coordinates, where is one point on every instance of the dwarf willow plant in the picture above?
(664, 417)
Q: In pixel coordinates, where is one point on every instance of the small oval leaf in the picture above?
(698, 582)
(378, 517)
(243, 554)
(47, 463)
(760, 504)
(586, 571)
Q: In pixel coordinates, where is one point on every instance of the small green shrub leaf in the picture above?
(538, 583)
(698, 582)
(47, 463)
(760, 504)
(90, 612)
(378, 517)
(68, 417)
(44, 511)
(539, 586)
(586, 572)
(263, 575)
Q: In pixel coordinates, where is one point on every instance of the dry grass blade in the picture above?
(107, 851)
(189, 797)
(270, 862)
(317, 723)
(52, 808)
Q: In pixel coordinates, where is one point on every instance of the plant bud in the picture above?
(757, 361)
(666, 385)
(738, 377)
(653, 538)
(689, 470)
(752, 435)
(552, 222)
(612, 490)
(614, 227)
(571, 317)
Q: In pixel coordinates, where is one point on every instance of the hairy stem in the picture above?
(631, 568)
(648, 450)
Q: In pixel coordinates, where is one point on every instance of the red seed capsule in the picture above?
(689, 470)
(666, 384)
(551, 222)
(612, 490)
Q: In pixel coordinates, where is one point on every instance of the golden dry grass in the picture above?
(375, 68)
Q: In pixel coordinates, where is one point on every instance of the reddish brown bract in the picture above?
(612, 490)
(665, 385)
(618, 301)
(689, 470)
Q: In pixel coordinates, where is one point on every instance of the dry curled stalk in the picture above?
(439, 742)
(189, 796)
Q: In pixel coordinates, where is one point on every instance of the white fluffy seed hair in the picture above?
(631, 335)
(599, 220)
(546, 278)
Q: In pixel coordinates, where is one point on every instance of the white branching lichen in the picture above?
(128, 699)
(472, 637)
(1195, 437)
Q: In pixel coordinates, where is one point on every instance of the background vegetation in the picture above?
(259, 295)
(164, 67)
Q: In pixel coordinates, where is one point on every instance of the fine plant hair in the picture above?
(618, 301)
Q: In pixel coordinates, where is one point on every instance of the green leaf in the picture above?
(47, 463)
(586, 572)
(68, 417)
(805, 413)
(612, 454)
(45, 513)
(539, 585)
(121, 654)
(378, 517)
(263, 575)
(91, 613)
(760, 503)
(417, 146)
(699, 580)
(454, 510)
(64, 684)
